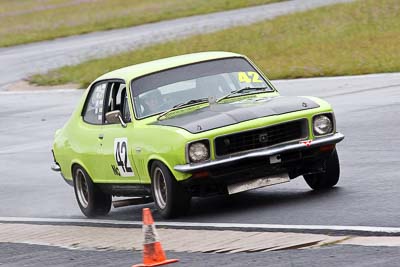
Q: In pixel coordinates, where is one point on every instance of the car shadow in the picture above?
(256, 201)
(225, 208)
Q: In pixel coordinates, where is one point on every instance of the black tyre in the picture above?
(91, 200)
(169, 196)
(329, 178)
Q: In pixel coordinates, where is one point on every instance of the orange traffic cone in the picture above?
(153, 254)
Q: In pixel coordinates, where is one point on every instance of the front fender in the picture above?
(178, 175)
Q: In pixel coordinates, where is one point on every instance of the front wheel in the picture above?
(91, 200)
(327, 179)
(170, 198)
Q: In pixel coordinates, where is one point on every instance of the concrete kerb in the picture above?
(311, 229)
(178, 240)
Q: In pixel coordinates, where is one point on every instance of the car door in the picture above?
(90, 131)
(119, 165)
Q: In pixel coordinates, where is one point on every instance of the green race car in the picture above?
(193, 125)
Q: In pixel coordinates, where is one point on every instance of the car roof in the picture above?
(134, 71)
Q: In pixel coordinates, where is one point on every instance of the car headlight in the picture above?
(322, 125)
(199, 151)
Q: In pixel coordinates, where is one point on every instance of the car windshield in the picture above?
(222, 78)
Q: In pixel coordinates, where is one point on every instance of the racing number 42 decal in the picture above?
(122, 157)
(249, 77)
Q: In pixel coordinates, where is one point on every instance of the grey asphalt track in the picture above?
(16, 255)
(367, 111)
(20, 61)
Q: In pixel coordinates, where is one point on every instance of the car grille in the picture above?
(259, 138)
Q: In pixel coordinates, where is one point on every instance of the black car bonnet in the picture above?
(220, 115)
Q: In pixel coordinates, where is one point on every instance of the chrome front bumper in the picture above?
(192, 167)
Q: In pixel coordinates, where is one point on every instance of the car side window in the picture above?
(93, 113)
(117, 99)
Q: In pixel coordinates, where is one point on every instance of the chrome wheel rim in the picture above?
(160, 188)
(82, 189)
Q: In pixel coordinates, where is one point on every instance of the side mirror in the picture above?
(115, 117)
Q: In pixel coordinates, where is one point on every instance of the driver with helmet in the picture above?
(152, 102)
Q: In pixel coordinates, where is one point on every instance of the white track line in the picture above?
(368, 229)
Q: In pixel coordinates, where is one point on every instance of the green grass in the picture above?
(24, 21)
(345, 39)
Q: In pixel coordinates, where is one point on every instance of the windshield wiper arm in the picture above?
(189, 102)
(241, 90)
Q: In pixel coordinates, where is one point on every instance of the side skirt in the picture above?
(126, 190)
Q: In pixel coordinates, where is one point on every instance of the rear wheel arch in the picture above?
(73, 168)
(91, 199)
(78, 164)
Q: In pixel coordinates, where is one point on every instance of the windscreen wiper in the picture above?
(189, 102)
(242, 90)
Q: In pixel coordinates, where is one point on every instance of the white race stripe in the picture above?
(370, 229)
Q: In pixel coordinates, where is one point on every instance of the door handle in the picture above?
(101, 136)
